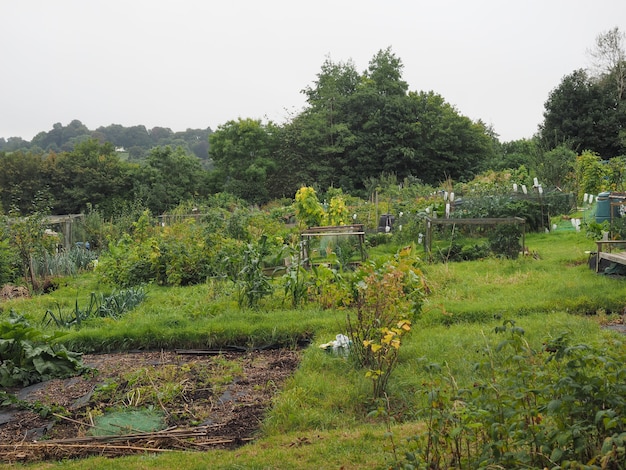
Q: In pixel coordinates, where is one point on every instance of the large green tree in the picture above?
(516, 153)
(244, 155)
(583, 113)
(318, 139)
(91, 175)
(587, 111)
(609, 60)
(447, 144)
(379, 116)
(358, 126)
(21, 180)
(167, 178)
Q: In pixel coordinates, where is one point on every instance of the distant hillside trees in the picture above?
(62, 138)
(93, 176)
(137, 141)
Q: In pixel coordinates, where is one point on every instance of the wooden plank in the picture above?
(619, 258)
(328, 234)
(334, 228)
(477, 221)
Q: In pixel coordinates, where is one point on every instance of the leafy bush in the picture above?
(502, 240)
(9, 263)
(28, 356)
(475, 251)
(594, 229)
(535, 210)
(129, 262)
(175, 255)
(377, 239)
(451, 252)
(329, 288)
(189, 251)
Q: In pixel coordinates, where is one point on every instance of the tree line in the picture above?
(134, 142)
(355, 127)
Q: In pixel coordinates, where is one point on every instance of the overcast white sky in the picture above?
(199, 63)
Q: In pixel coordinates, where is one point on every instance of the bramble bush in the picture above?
(563, 406)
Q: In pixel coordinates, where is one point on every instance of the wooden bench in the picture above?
(608, 254)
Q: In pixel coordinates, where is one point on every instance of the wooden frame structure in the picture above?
(430, 221)
(355, 230)
(65, 224)
(608, 253)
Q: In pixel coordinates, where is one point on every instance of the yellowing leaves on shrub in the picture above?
(404, 325)
(375, 347)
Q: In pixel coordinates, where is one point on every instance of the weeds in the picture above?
(43, 410)
(163, 386)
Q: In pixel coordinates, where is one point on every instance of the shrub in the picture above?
(129, 262)
(328, 287)
(377, 239)
(386, 298)
(9, 263)
(504, 241)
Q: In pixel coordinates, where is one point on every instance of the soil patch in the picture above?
(206, 400)
(9, 291)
